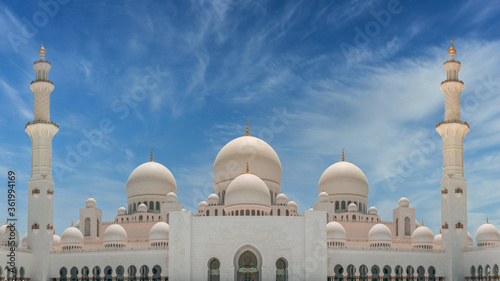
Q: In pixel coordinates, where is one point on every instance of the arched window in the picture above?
(135, 207)
(247, 267)
(156, 273)
(407, 226)
(399, 273)
(351, 273)
(363, 273)
(258, 212)
(339, 271)
(97, 227)
(151, 205)
(216, 213)
(223, 196)
(247, 212)
(253, 212)
(157, 205)
(487, 272)
(353, 217)
(140, 218)
(432, 273)
(119, 273)
(387, 273)
(144, 272)
(108, 273)
(87, 227)
(62, 274)
(74, 274)
(213, 270)
(281, 270)
(236, 212)
(375, 273)
(480, 272)
(343, 205)
(96, 273)
(132, 271)
(279, 212)
(336, 205)
(397, 227)
(85, 274)
(409, 272)
(208, 213)
(421, 273)
(287, 213)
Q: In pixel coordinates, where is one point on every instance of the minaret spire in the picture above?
(41, 210)
(343, 158)
(151, 157)
(453, 184)
(247, 133)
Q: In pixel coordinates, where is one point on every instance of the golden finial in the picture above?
(161, 218)
(422, 222)
(343, 158)
(452, 50)
(71, 223)
(440, 231)
(248, 170)
(42, 50)
(6, 221)
(487, 220)
(333, 218)
(247, 133)
(151, 157)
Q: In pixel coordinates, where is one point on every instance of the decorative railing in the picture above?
(444, 191)
(42, 80)
(459, 225)
(50, 192)
(35, 191)
(50, 226)
(109, 249)
(35, 226)
(41, 121)
(459, 190)
(452, 121)
(42, 61)
(452, 61)
(444, 226)
(403, 249)
(459, 81)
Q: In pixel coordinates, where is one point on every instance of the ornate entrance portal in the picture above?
(247, 267)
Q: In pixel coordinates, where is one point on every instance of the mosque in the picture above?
(248, 229)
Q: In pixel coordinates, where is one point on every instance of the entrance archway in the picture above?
(247, 267)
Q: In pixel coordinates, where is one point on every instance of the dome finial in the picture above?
(487, 220)
(151, 157)
(343, 158)
(422, 222)
(247, 133)
(452, 50)
(71, 223)
(248, 170)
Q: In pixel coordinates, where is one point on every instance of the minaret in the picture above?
(453, 184)
(41, 185)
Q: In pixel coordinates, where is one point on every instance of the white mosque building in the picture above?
(248, 229)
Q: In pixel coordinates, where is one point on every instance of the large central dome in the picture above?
(233, 157)
(344, 178)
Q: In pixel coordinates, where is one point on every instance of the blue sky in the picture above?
(363, 75)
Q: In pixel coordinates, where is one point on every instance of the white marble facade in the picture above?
(248, 229)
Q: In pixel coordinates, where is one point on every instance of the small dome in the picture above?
(422, 235)
(114, 234)
(380, 233)
(5, 234)
(438, 239)
(202, 205)
(56, 240)
(323, 197)
(281, 199)
(292, 206)
(24, 241)
(121, 211)
(142, 208)
(372, 210)
(171, 197)
(213, 199)
(335, 232)
(344, 178)
(487, 234)
(248, 189)
(352, 207)
(404, 202)
(159, 232)
(150, 179)
(90, 203)
(72, 236)
(470, 242)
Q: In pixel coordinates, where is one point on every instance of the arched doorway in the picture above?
(247, 267)
(213, 270)
(281, 270)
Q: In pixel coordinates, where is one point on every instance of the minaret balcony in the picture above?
(38, 61)
(452, 121)
(458, 81)
(35, 226)
(444, 191)
(444, 226)
(459, 225)
(41, 121)
(35, 191)
(44, 80)
(452, 61)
